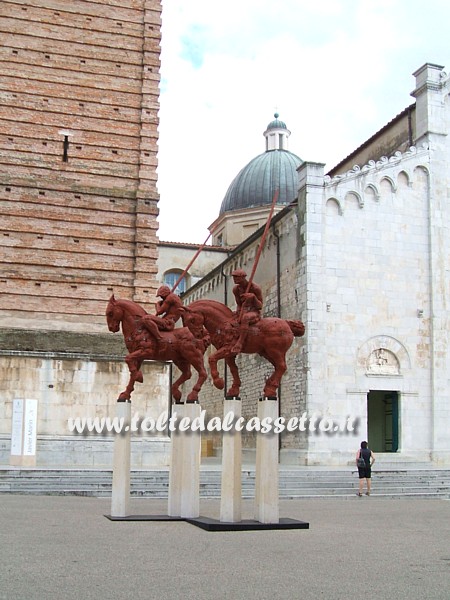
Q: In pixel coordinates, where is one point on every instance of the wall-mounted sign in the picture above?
(24, 432)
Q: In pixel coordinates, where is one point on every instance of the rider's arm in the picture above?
(258, 302)
(163, 307)
(237, 296)
(258, 297)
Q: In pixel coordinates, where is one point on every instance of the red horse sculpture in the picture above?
(179, 346)
(270, 337)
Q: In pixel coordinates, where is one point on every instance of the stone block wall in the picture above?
(68, 386)
(253, 369)
(78, 144)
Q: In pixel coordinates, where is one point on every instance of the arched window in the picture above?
(170, 279)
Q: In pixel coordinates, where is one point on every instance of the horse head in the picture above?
(123, 311)
(114, 315)
(191, 318)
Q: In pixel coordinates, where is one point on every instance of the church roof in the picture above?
(275, 169)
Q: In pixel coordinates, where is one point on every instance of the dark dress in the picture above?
(365, 472)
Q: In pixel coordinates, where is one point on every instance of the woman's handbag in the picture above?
(361, 463)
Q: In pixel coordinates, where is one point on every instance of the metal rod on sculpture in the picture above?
(180, 278)
(263, 239)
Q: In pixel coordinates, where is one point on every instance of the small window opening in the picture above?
(66, 149)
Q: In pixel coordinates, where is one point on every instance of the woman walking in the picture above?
(364, 461)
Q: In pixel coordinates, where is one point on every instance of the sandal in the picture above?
(358, 494)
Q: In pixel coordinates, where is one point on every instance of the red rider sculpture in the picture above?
(249, 304)
(168, 311)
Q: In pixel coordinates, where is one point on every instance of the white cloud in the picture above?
(335, 70)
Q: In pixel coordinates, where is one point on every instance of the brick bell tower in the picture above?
(79, 98)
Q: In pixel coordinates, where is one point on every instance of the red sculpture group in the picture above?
(205, 322)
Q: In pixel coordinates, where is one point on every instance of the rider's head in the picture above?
(163, 291)
(238, 275)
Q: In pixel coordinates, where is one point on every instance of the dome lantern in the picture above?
(276, 135)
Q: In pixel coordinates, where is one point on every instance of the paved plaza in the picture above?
(56, 547)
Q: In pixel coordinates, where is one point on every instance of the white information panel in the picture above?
(24, 431)
(17, 427)
(30, 428)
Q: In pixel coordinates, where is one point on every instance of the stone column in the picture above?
(120, 499)
(266, 482)
(184, 477)
(231, 489)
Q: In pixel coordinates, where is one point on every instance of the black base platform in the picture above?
(145, 518)
(209, 524)
(246, 525)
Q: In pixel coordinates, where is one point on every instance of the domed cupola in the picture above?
(276, 134)
(275, 169)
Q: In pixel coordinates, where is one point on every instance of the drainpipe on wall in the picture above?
(278, 277)
(225, 301)
(278, 274)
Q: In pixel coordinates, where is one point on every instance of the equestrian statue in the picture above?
(154, 337)
(243, 331)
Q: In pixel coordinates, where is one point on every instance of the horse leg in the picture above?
(199, 366)
(186, 374)
(223, 352)
(278, 360)
(236, 385)
(134, 362)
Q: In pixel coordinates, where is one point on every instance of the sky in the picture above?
(336, 71)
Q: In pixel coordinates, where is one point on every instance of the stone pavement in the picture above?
(55, 548)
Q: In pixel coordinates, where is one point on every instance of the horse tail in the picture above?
(297, 327)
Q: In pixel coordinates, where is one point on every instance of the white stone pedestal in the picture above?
(120, 499)
(184, 476)
(266, 483)
(230, 500)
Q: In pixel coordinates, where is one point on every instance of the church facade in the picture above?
(362, 257)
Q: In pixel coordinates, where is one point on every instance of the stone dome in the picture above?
(275, 169)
